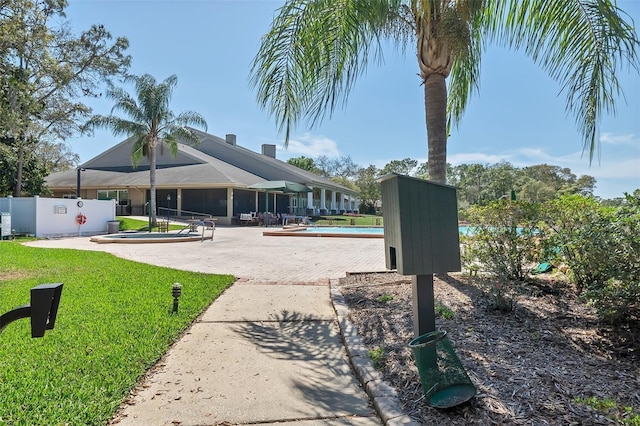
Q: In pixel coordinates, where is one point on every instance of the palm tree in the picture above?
(151, 123)
(316, 50)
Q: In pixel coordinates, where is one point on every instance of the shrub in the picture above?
(502, 296)
(601, 246)
(504, 238)
(577, 232)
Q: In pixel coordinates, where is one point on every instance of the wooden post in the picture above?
(424, 314)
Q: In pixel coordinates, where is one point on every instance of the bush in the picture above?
(578, 233)
(504, 239)
(601, 246)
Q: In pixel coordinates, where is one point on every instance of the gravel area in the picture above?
(530, 365)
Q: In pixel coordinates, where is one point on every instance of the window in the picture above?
(121, 195)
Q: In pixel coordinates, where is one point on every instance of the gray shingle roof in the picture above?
(213, 162)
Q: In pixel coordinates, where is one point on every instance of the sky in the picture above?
(518, 116)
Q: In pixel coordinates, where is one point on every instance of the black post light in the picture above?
(45, 299)
(78, 171)
(168, 205)
(176, 291)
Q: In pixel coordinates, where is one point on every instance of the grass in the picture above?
(346, 220)
(385, 298)
(621, 414)
(113, 324)
(129, 224)
(444, 311)
(377, 357)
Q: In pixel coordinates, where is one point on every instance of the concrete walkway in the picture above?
(270, 349)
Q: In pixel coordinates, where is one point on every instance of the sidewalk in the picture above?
(262, 353)
(271, 349)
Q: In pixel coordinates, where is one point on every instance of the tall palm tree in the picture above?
(151, 123)
(316, 50)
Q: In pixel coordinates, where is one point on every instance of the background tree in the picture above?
(304, 163)
(344, 167)
(151, 123)
(45, 70)
(56, 157)
(34, 172)
(368, 188)
(401, 167)
(579, 43)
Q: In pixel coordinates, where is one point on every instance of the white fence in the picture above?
(58, 217)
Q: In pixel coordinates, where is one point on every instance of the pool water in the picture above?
(465, 230)
(341, 231)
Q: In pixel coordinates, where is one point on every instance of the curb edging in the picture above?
(384, 397)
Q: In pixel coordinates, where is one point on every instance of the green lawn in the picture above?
(344, 220)
(129, 224)
(113, 323)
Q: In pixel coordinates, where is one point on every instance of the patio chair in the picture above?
(307, 221)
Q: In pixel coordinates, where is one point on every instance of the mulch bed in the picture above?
(530, 366)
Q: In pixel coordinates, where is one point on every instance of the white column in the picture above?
(310, 200)
(342, 201)
(357, 206)
(323, 198)
(229, 203)
(256, 204)
(333, 199)
(350, 204)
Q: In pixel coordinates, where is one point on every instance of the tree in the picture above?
(368, 188)
(304, 163)
(343, 167)
(45, 70)
(316, 50)
(401, 167)
(56, 157)
(33, 168)
(152, 124)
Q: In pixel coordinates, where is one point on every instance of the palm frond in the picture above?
(312, 56)
(582, 44)
(465, 72)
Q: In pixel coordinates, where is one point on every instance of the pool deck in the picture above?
(247, 254)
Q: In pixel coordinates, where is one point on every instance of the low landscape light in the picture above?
(176, 292)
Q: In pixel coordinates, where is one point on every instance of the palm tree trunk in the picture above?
(435, 105)
(152, 184)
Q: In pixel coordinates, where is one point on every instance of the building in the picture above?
(212, 178)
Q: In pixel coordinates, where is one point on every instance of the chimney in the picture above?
(230, 138)
(269, 150)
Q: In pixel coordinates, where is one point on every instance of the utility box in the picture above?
(420, 226)
(5, 225)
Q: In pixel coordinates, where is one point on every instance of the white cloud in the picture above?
(614, 139)
(310, 146)
(477, 157)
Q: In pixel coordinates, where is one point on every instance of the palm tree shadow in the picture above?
(315, 346)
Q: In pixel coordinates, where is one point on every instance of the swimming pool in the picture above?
(341, 231)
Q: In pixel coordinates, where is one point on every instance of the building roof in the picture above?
(215, 162)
